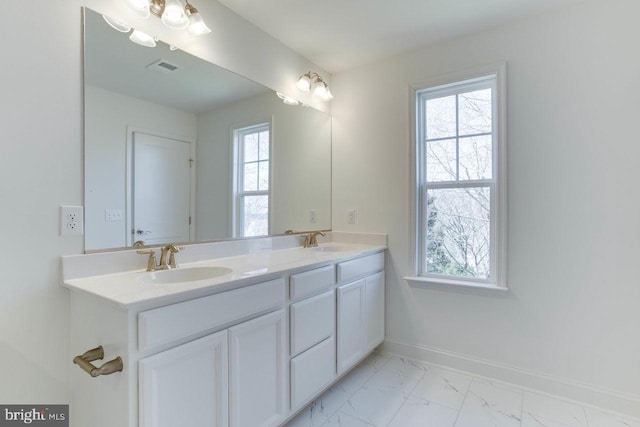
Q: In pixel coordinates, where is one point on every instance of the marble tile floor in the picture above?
(391, 391)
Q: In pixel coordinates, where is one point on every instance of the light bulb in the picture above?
(174, 15)
(197, 27)
(320, 90)
(140, 6)
(328, 96)
(116, 25)
(143, 39)
(287, 99)
(304, 83)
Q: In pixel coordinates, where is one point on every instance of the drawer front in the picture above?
(312, 320)
(175, 322)
(360, 267)
(312, 371)
(310, 282)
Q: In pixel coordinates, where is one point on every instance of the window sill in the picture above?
(421, 281)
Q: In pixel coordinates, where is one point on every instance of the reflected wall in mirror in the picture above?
(178, 149)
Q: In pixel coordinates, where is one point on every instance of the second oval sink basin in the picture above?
(184, 275)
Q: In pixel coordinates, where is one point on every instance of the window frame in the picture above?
(238, 192)
(456, 83)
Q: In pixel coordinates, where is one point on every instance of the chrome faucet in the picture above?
(311, 240)
(171, 250)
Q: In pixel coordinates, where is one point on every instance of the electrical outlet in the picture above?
(351, 216)
(312, 216)
(71, 221)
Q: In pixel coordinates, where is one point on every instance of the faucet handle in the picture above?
(151, 263)
(172, 255)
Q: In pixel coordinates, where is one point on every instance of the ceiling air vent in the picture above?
(163, 66)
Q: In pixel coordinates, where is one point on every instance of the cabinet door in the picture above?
(257, 392)
(351, 300)
(187, 385)
(374, 311)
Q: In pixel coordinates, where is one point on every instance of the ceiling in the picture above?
(342, 34)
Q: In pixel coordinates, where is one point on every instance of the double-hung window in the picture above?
(252, 176)
(460, 206)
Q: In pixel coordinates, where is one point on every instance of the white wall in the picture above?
(41, 168)
(107, 116)
(300, 161)
(574, 211)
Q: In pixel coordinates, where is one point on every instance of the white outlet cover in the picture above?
(71, 220)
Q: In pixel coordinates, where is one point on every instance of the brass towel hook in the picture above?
(84, 362)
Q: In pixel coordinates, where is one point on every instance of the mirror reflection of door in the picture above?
(161, 189)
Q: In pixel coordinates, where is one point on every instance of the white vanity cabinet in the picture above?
(188, 382)
(250, 356)
(360, 309)
(312, 333)
(257, 383)
(234, 377)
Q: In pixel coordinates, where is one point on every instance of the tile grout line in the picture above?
(408, 396)
(358, 389)
(464, 400)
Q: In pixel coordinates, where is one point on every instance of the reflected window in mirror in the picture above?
(251, 186)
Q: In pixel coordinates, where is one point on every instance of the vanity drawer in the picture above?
(175, 322)
(310, 282)
(312, 371)
(360, 267)
(312, 320)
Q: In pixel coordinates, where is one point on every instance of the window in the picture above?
(251, 183)
(460, 204)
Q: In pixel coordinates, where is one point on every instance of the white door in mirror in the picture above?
(71, 221)
(161, 189)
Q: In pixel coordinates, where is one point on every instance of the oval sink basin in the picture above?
(179, 275)
(331, 248)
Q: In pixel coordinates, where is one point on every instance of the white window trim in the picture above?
(499, 159)
(236, 213)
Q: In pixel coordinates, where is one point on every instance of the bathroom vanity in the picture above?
(248, 348)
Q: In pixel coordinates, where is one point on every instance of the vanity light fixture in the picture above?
(287, 99)
(312, 81)
(116, 25)
(142, 38)
(175, 14)
(137, 36)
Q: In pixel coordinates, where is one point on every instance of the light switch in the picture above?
(113, 215)
(351, 216)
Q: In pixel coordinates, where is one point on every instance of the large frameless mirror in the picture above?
(178, 149)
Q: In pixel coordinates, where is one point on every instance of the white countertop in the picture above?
(127, 291)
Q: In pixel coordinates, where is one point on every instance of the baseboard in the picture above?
(623, 403)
